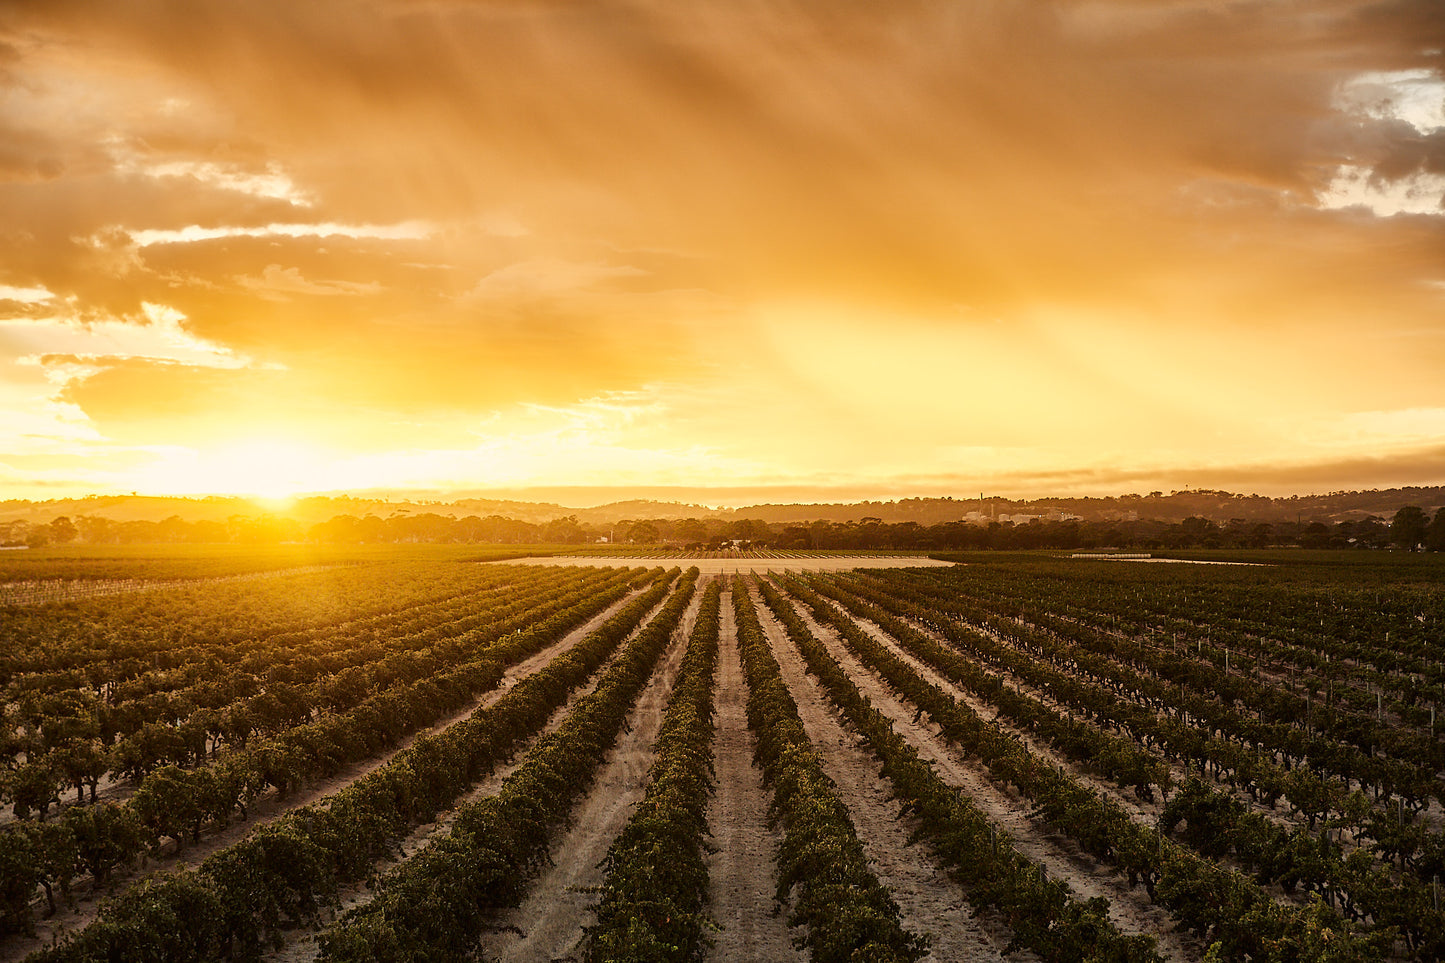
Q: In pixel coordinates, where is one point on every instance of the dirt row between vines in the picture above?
(930, 902)
(1139, 810)
(303, 945)
(548, 924)
(1130, 909)
(741, 871)
(1178, 771)
(268, 806)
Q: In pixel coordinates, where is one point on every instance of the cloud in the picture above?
(277, 283)
(157, 335)
(34, 295)
(1416, 97)
(271, 182)
(1356, 187)
(1146, 227)
(194, 233)
(548, 276)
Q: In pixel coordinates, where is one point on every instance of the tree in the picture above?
(691, 531)
(566, 529)
(96, 530)
(1409, 527)
(63, 530)
(643, 533)
(1316, 535)
(1435, 534)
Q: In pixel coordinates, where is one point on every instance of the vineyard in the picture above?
(428, 756)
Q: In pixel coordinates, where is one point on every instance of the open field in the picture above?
(720, 563)
(1022, 757)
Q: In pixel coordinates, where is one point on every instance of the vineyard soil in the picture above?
(741, 866)
(930, 902)
(1221, 654)
(1131, 910)
(269, 807)
(548, 925)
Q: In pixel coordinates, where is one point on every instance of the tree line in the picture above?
(1412, 528)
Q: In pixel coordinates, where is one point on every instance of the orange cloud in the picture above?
(1113, 233)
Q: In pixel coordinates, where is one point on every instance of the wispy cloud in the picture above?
(34, 295)
(278, 283)
(549, 276)
(193, 233)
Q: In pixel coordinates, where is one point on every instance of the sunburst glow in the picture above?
(268, 468)
(277, 248)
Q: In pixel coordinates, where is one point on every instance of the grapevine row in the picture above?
(651, 903)
(848, 913)
(1042, 913)
(1219, 905)
(434, 906)
(80, 751)
(1216, 825)
(337, 842)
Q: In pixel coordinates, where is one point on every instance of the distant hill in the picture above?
(313, 509)
(1218, 506)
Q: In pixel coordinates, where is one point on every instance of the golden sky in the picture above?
(916, 247)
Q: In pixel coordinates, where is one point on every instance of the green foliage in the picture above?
(286, 872)
(846, 912)
(1223, 906)
(434, 905)
(1043, 916)
(652, 896)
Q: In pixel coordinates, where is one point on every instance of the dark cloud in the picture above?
(1408, 152)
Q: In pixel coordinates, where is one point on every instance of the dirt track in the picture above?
(741, 564)
(929, 901)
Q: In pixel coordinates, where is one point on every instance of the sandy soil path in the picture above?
(303, 946)
(741, 870)
(548, 925)
(1130, 909)
(930, 902)
(730, 565)
(268, 807)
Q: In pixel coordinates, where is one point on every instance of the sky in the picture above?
(834, 250)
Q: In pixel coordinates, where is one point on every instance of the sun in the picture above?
(271, 469)
(274, 470)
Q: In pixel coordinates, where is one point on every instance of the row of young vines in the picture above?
(1180, 768)
(290, 869)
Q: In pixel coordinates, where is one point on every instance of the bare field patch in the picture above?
(730, 565)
